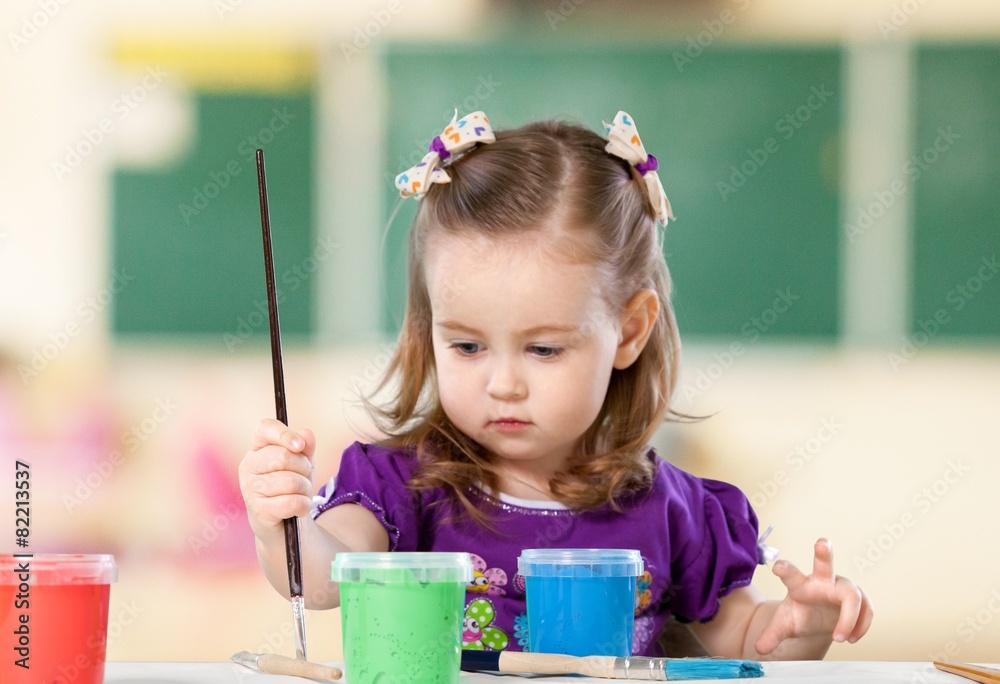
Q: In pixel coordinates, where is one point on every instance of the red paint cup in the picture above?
(54, 617)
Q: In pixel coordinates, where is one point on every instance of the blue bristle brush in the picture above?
(612, 667)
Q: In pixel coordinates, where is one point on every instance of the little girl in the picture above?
(537, 357)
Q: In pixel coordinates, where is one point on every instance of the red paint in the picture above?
(68, 627)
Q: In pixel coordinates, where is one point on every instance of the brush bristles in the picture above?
(688, 669)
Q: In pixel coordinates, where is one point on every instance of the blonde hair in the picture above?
(528, 177)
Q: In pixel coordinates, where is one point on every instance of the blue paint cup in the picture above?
(581, 602)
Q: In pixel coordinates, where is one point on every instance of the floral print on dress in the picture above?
(643, 592)
(642, 633)
(521, 630)
(486, 580)
(477, 635)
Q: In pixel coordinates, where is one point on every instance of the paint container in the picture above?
(54, 617)
(581, 602)
(402, 615)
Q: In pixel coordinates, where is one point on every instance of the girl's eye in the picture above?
(466, 348)
(544, 351)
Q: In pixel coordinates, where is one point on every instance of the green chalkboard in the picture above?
(747, 139)
(187, 237)
(954, 170)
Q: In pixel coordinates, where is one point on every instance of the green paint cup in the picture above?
(402, 615)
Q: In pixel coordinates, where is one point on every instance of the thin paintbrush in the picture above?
(612, 667)
(291, 525)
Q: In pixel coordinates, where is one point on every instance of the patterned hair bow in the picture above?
(624, 142)
(460, 135)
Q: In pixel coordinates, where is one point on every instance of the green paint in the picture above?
(402, 632)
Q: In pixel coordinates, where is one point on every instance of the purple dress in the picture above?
(698, 540)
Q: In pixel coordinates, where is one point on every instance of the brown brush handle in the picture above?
(985, 675)
(550, 663)
(283, 665)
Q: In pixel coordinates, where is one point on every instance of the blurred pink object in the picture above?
(222, 536)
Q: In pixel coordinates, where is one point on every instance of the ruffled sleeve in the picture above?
(376, 478)
(714, 548)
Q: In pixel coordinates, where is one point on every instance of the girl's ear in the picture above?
(636, 326)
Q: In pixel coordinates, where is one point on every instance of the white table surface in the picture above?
(827, 672)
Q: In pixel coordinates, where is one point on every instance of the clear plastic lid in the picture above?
(402, 566)
(580, 563)
(58, 568)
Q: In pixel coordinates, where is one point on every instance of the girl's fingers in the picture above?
(277, 447)
(274, 459)
(774, 635)
(864, 619)
(789, 575)
(270, 431)
(768, 640)
(279, 508)
(282, 483)
(823, 560)
(310, 442)
(850, 609)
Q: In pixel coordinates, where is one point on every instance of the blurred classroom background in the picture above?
(834, 167)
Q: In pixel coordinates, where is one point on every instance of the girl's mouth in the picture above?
(508, 424)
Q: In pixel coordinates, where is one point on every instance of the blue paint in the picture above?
(580, 616)
(580, 601)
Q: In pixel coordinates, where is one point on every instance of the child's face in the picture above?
(524, 345)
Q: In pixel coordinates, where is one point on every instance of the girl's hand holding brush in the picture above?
(276, 482)
(276, 477)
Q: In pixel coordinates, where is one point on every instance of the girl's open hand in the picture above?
(276, 476)
(821, 604)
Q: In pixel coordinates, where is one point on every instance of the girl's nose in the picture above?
(505, 382)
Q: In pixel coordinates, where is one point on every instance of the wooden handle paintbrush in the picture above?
(283, 665)
(637, 668)
(985, 675)
(291, 525)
